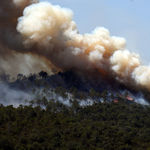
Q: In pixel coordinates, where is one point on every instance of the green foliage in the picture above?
(58, 90)
(57, 126)
(74, 93)
(126, 94)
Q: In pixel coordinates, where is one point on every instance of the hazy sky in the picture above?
(125, 18)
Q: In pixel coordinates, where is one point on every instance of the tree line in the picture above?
(101, 126)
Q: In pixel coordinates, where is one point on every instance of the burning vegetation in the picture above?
(54, 125)
(41, 36)
(64, 87)
(90, 90)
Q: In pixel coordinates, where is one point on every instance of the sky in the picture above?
(124, 18)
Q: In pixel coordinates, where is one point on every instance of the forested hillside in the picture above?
(42, 112)
(91, 92)
(103, 126)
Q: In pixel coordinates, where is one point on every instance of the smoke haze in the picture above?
(40, 36)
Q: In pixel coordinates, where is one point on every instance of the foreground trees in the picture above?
(100, 126)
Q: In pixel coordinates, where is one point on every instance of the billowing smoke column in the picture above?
(47, 34)
(13, 56)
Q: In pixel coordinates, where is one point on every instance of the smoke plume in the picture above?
(33, 32)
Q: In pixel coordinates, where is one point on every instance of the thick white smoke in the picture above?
(49, 32)
(11, 42)
(55, 35)
(142, 76)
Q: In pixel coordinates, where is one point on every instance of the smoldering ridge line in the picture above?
(49, 33)
(63, 87)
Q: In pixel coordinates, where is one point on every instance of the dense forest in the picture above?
(71, 118)
(50, 125)
(97, 95)
(111, 126)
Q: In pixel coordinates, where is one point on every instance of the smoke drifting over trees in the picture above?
(91, 96)
(39, 36)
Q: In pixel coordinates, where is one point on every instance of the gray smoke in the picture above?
(40, 36)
